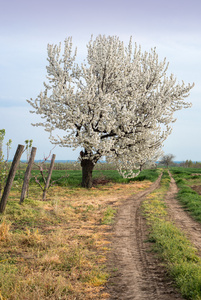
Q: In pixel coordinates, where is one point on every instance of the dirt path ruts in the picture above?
(137, 273)
(181, 218)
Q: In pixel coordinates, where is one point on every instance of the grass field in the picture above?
(56, 249)
(73, 178)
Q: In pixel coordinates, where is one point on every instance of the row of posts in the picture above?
(12, 173)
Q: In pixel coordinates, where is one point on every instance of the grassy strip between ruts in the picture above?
(171, 245)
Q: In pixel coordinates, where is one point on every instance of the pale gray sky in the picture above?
(26, 27)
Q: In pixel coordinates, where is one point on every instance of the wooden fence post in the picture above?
(27, 174)
(11, 177)
(49, 176)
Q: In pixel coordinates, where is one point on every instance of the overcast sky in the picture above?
(26, 27)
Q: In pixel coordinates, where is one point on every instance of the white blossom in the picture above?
(120, 104)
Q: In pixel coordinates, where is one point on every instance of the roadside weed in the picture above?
(109, 215)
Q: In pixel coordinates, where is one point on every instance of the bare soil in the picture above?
(197, 188)
(137, 273)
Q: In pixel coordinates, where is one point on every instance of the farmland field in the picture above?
(110, 242)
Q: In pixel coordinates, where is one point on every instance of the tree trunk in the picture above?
(87, 169)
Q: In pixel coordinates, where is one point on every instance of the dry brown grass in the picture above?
(57, 249)
(4, 231)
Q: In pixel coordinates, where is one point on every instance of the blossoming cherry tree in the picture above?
(117, 104)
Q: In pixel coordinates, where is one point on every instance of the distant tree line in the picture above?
(168, 160)
(190, 164)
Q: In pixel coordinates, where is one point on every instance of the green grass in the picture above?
(179, 256)
(180, 172)
(108, 217)
(73, 178)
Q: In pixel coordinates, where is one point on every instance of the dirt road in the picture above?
(181, 218)
(137, 274)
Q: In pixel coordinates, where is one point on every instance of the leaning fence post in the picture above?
(27, 174)
(49, 176)
(11, 177)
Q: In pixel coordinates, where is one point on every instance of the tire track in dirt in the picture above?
(181, 218)
(137, 274)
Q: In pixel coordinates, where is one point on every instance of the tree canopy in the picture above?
(167, 160)
(119, 103)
